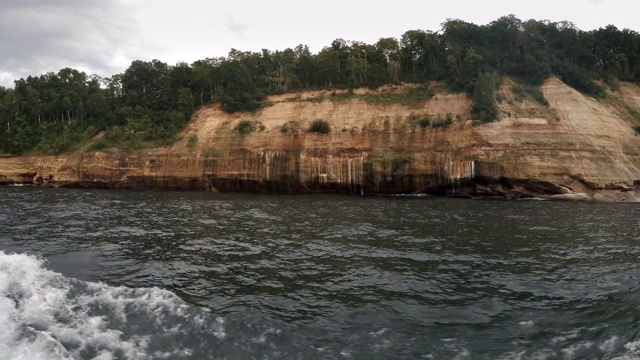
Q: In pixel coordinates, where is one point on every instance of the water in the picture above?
(128, 275)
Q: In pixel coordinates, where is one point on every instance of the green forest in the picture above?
(151, 101)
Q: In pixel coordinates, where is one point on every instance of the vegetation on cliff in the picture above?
(484, 103)
(319, 126)
(151, 101)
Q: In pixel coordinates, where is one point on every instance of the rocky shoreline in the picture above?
(368, 180)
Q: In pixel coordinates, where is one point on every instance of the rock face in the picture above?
(575, 148)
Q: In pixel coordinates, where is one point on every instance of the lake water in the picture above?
(143, 275)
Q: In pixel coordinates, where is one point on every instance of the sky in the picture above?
(103, 37)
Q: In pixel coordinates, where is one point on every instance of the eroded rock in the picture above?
(585, 150)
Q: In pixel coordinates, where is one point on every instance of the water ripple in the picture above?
(335, 277)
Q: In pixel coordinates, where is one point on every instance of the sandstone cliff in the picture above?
(575, 148)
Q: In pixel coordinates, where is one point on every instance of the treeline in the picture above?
(151, 101)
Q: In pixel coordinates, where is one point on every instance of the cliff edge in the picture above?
(575, 147)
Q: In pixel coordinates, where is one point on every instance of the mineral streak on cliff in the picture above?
(575, 148)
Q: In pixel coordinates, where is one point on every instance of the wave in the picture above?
(45, 315)
(532, 199)
(417, 195)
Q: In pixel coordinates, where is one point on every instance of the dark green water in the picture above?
(109, 274)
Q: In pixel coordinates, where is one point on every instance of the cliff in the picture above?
(577, 147)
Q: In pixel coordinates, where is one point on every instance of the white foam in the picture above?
(513, 355)
(571, 351)
(609, 345)
(45, 315)
(379, 332)
(633, 351)
(263, 336)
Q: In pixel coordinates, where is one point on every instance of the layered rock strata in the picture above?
(574, 148)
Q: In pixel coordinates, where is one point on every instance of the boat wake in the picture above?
(45, 315)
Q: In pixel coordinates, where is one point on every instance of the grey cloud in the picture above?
(38, 36)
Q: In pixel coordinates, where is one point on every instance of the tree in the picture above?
(205, 78)
(466, 52)
(390, 51)
(238, 92)
(328, 67)
(483, 98)
(151, 100)
(506, 39)
(283, 75)
(146, 84)
(413, 52)
(305, 66)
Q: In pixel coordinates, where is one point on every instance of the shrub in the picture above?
(319, 126)
(518, 91)
(193, 141)
(315, 99)
(579, 79)
(411, 96)
(290, 127)
(533, 92)
(537, 95)
(98, 145)
(633, 112)
(245, 127)
(419, 94)
(442, 124)
(341, 97)
(211, 153)
(424, 122)
(421, 120)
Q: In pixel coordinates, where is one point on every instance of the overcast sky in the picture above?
(104, 36)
